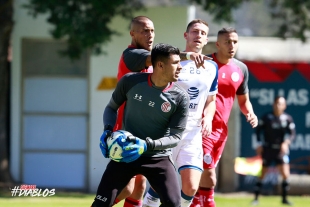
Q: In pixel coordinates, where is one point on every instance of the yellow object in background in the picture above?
(107, 83)
(248, 165)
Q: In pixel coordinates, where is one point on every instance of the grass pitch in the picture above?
(85, 200)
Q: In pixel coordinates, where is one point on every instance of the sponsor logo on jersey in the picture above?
(235, 76)
(138, 97)
(193, 92)
(207, 158)
(166, 107)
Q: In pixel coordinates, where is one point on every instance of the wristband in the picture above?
(188, 55)
(150, 144)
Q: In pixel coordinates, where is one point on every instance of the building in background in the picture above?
(57, 105)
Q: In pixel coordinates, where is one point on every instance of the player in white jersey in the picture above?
(201, 85)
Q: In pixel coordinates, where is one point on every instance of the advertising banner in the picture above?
(291, 80)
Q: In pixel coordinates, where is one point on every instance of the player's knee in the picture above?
(127, 190)
(189, 189)
(212, 182)
(129, 187)
(140, 181)
(139, 187)
(209, 179)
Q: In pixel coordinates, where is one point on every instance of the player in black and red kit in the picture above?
(156, 113)
(275, 132)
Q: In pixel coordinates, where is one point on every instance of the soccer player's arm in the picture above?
(245, 104)
(291, 131)
(210, 106)
(198, 58)
(137, 59)
(117, 99)
(244, 99)
(177, 125)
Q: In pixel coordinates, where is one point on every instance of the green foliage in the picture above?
(221, 9)
(293, 15)
(83, 23)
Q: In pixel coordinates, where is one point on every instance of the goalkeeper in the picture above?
(156, 113)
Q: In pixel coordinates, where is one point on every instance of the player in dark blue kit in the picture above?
(156, 114)
(278, 130)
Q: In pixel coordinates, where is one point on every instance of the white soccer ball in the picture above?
(116, 142)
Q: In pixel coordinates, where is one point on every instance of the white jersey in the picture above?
(199, 84)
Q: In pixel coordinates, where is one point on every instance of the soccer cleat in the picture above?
(286, 202)
(254, 202)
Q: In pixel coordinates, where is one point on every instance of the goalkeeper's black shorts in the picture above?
(160, 172)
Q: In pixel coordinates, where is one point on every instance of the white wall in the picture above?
(273, 49)
(24, 26)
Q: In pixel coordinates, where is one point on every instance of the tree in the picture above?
(293, 15)
(6, 25)
(85, 25)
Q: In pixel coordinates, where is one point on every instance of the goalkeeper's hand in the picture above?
(103, 140)
(133, 152)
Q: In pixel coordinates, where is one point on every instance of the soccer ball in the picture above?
(116, 142)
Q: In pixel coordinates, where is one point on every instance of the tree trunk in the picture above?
(6, 25)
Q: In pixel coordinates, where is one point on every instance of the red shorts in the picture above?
(212, 152)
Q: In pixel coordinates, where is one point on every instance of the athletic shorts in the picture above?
(159, 171)
(212, 152)
(274, 157)
(188, 153)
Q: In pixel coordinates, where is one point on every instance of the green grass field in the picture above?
(85, 200)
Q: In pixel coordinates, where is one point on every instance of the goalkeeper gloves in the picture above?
(133, 152)
(103, 140)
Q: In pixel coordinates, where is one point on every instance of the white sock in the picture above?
(185, 203)
(186, 200)
(150, 201)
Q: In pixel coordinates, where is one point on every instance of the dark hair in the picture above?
(194, 22)
(138, 19)
(162, 52)
(226, 30)
(277, 98)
